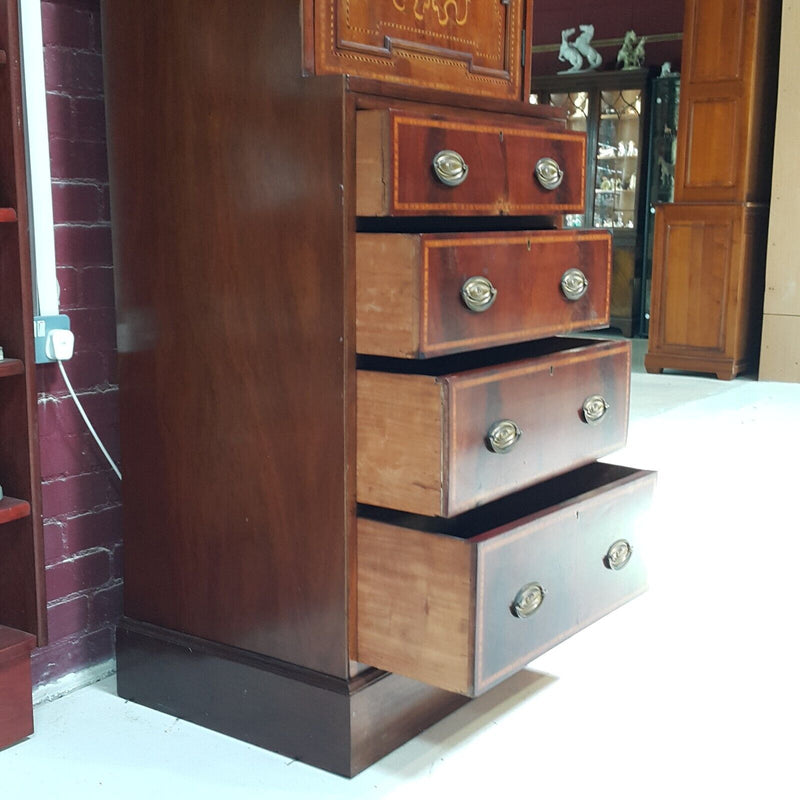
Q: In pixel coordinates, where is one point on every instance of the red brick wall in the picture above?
(80, 494)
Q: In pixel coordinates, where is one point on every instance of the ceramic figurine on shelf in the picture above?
(584, 47)
(631, 54)
(569, 53)
(575, 52)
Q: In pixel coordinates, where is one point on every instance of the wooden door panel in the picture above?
(716, 21)
(714, 128)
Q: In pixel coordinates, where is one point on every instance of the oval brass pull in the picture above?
(594, 409)
(478, 293)
(574, 284)
(529, 598)
(618, 555)
(548, 173)
(503, 436)
(450, 168)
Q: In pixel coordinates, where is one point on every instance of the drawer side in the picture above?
(416, 604)
(400, 438)
(387, 294)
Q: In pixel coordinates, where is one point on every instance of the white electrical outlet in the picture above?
(60, 345)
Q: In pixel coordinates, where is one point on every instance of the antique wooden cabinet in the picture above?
(22, 596)
(710, 245)
(360, 480)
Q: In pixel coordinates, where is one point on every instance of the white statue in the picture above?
(631, 54)
(584, 47)
(569, 52)
(574, 52)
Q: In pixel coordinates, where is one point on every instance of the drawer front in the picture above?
(425, 442)
(465, 613)
(432, 294)
(567, 555)
(544, 399)
(492, 167)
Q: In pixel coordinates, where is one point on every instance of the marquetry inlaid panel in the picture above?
(463, 45)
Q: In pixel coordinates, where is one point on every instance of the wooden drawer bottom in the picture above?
(463, 603)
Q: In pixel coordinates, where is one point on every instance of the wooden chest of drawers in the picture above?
(350, 448)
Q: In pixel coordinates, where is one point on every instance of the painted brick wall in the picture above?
(80, 494)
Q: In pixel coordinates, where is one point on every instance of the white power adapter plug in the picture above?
(60, 345)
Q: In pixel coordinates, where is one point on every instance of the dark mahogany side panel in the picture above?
(226, 175)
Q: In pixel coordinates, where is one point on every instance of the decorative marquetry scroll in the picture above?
(473, 46)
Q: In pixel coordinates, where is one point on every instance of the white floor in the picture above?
(691, 691)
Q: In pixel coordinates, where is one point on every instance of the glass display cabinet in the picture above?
(612, 109)
(662, 148)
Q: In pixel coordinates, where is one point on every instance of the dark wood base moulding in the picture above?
(334, 724)
(725, 369)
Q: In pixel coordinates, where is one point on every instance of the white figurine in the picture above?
(574, 52)
(631, 54)
(584, 47)
(569, 52)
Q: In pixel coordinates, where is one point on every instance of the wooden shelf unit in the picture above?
(22, 596)
(11, 508)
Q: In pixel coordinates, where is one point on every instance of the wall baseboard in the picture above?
(74, 681)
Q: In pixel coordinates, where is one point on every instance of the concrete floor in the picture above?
(690, 691)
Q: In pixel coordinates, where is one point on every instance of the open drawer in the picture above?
(415, 164)
(422, 295)
(463, 603)
(442, 436)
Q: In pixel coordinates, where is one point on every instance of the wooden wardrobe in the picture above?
(710, 244)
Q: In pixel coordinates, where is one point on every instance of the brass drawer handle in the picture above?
(503, 436)
(478, 293)
(574, 284)
(529, 598)
(594, 409)
(618, 555)
(450, 168)
(548, 173)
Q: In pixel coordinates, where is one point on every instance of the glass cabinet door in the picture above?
(665, 100)
(577, 107)
(618, 147)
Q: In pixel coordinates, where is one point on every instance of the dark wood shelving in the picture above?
(22, 598)
(11, 366)
(11, 509)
